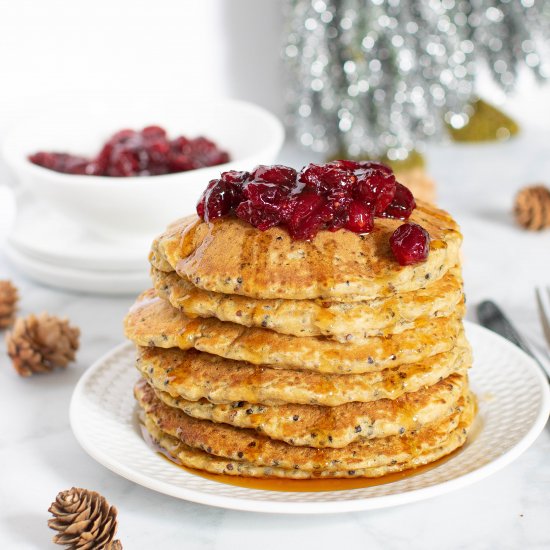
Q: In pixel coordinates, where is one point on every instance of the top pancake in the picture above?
(232, 257)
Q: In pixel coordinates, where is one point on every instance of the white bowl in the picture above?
(137, 207)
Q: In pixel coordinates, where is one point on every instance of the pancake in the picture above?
(196, 375)
(248, 446)
(336, 427)
(339, 320)
(230, 256)
(199, 460)
(153, 322)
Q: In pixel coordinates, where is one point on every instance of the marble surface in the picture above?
(510, 510)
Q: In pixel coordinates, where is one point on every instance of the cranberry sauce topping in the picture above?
(132, 153)
(410, 244)
(341, 194)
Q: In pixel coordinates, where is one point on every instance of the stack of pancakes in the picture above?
(263, 356)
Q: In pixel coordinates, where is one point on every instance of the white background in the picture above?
(206, 48)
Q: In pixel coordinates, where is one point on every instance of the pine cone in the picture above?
(532, 207)
(38, 344)
(8, 302)
(84, 521)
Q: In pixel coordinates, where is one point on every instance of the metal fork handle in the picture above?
(544, 314)
(492, 317)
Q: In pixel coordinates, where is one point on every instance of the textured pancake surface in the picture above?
(196, 375)
(200, 460)
(340, 320)
(154, 322)
(238, 445)
(230, 256)
(319, 426)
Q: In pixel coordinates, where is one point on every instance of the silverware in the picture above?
(491, 317)
(543, 305)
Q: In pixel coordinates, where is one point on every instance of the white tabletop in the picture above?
(510, 510)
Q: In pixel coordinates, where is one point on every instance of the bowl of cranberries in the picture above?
(124, 172)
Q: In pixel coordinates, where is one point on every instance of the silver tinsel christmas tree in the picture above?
(378, 77)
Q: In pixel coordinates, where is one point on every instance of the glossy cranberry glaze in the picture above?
(342, 194)
(148, 152)
(410, 244)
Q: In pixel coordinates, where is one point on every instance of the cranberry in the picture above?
(262, 217)
(347, 164)
(361, 217)
(324, 178)
(206, 153)
(180, 163)
(369, 164)
(153, 132)
(216, 201)
(281, 175)
(179, 144)
(124, 162)
(308, 213)
(375, 187)
(235, 180)
(233, 176)
(339, 202)
(259, 193)
(410, 244)
(339, 220)
(102, 160)
(60, 162)
(355, 165)
(402, 204)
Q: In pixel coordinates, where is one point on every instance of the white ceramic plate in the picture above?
(79, 280)
(43, 234)
(514, 403)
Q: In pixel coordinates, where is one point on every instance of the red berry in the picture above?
(216, 201)
(410, 244)
(361, 217)
(281, 175)
(308, 214)
(324, 178)
(180, 162)
(402, 205)
(259, 193)
(233, 176)
(61, 162)
(375, 187)
(103, 159)
(235, 180)
(262, 217)
(346, 164)
(339, 202)
(156, 132)
(372, 165)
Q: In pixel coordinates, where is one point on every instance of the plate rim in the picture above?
(325, 507)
